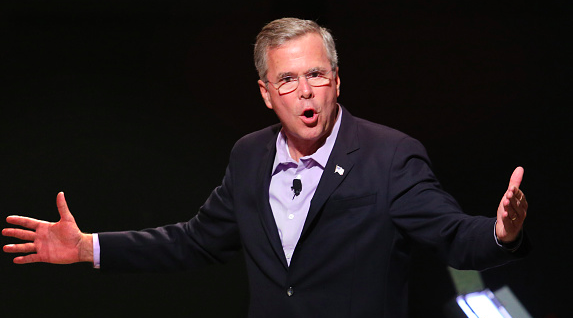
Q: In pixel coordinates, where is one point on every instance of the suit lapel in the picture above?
(346, 143)
(332, 176)
(263, 205)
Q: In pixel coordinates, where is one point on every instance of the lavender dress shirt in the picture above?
(290, 211)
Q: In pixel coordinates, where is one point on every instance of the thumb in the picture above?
(516, 177)
(65, 213)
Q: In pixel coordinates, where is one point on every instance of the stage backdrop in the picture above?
(132, 107)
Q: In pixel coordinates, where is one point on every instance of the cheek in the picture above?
(281, 109)
(285, 104)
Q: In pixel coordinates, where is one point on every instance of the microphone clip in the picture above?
(296, 187)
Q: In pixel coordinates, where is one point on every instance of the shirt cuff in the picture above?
(511, 246)
(96, 250)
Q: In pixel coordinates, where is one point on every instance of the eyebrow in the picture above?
(311, 70)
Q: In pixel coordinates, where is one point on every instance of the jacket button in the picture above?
(290, 291)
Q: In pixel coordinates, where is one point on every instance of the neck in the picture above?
(304, 148)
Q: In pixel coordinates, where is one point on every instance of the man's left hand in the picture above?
(512, 210)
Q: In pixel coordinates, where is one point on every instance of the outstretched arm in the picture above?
(56, 243)
(512, 210)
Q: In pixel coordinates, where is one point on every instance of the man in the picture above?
(324, 205)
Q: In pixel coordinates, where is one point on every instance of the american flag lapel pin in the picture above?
(339, 170)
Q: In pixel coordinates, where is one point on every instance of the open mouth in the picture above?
(309, 116)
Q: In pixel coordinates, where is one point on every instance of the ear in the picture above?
(337, 79)
(265, 94)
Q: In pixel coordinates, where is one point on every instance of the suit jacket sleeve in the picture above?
(209, 237)
(429, 215)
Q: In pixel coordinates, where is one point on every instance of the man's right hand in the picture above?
(56, 243)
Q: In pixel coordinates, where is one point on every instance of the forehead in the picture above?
(297, 56)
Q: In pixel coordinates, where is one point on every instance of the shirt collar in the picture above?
(321, 155)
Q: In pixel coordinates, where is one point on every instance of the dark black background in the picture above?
(132, 107)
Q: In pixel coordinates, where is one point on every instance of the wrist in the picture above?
(506, 243)
(85, 248)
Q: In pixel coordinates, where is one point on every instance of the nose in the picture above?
(304, 88)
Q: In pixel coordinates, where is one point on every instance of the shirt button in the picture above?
(291, 216)
(290, 291)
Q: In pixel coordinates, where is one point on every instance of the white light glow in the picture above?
(481, 305)
(465, 308)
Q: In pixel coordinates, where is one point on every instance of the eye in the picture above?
(314, 74)
(287, 79)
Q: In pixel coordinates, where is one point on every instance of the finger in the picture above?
(511, 213)
(515, 205)
(508, 206)
(20, 248)
(27, 259)
(516, 177)
(518, 202)
(65, 213)
(26, 222)
(20, 234)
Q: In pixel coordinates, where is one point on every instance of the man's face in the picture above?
(308, 113)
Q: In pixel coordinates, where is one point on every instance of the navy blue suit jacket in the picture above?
(352, 257)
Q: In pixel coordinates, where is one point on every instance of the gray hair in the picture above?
(280, 31)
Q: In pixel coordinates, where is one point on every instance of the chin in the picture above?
(313, 136)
